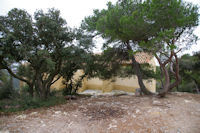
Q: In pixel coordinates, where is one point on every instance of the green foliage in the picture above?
(26, 102)
(23, 101)
(173, 19)
(45, 44)
(81, 59)
(185, 87)
(190, 71)
(116, 62)
(6, 90)
(153, 26)
(4, 78)
(108, 64)
(25, 71)
(24, 91)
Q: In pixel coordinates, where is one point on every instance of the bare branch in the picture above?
(159, 61)
(16, 76)
(169, 59)
(178, 51)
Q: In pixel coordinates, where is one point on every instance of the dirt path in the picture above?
(178, 113)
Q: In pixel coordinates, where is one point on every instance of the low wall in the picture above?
(124, 84)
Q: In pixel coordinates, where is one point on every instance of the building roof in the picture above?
(140, 57)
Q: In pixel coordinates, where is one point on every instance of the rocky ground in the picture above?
(178, 113)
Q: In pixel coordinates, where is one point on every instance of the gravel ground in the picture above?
(177, 113)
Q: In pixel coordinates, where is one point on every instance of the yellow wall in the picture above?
(124, 84)
(58, 85)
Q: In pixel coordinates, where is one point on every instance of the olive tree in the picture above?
(42, 45)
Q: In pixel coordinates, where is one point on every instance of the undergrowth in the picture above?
(24, 103)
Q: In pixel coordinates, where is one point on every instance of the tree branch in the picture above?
(159, 61)
(169, 59)
(56, 80)
(16, 76)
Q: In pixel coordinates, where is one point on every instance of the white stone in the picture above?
(156, 102)
(57, 112)
(187, 101)
(137, 111)
(43, 125)
(114, 121)
(4, 131)
(21, 117)
(133, 116)
(69, 125)
(75, 115)
(112, 126)
(33, 113)
(65, 113)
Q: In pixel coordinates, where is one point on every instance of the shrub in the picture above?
(25, 90)
(185, 87)
(27, 102)
(5, 91)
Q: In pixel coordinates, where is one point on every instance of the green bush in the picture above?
(185, 87)
(25, 90)
(26, 102)
(6, 88)
(12, 101)
(53, 92)
(5, 91)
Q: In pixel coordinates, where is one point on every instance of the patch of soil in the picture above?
(102, 112)
(177, 113)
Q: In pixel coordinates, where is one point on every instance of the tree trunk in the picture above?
(176, 74)
(37, 90)
(30, 89)
(165, 88)
(79, 83)
(161, 78)
(39, 86)
(42, 88)
(197, 86)
(138, 73)
(48, 88)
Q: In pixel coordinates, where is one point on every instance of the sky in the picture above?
(73, 11)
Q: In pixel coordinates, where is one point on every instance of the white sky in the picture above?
(73, 11)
